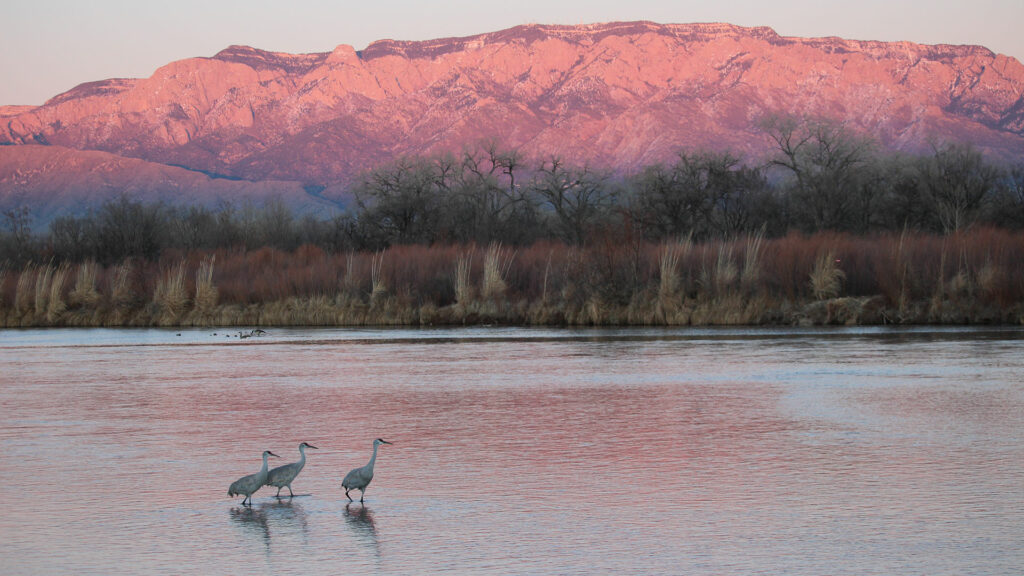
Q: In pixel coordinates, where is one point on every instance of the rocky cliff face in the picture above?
(617, 95)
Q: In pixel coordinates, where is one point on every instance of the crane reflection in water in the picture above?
(360, 519)
(268, 520)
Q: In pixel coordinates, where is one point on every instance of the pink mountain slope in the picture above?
(617, 95)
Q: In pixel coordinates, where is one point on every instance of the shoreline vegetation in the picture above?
(972, 277)
(829, 229)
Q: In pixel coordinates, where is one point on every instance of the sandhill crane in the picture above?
(283, 475)
(248, 485)
(359, 478)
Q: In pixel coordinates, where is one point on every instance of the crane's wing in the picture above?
(357, 478)
(241, 485)
(286, 472)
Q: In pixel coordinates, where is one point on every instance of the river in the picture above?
(528, 451)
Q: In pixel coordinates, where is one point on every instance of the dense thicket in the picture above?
(492, 236)
(820, 178)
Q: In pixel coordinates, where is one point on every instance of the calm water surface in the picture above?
(848, 451)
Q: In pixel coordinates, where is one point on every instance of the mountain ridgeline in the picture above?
(247, 124)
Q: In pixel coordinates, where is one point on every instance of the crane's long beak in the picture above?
(385, 441)
(311, 446)
(272, 454)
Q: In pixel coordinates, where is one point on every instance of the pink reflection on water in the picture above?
(567, 457)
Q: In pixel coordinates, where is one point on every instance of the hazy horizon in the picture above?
(51, 46)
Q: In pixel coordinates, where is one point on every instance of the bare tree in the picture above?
(19, 225)
(492, 205)
(1009, 210)
(825, 161)
(578, 197)
(704, 194)
(956, 181)
(665, 200)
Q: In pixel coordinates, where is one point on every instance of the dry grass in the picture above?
(205, 302)
(55, 304)
(670, 299)
(991, 280)
(826, 277)
(379, 289)
(44, 278)
(123, 296)
(171, 297)
(463, 285)
(904, 272)
(350, 279)
(497, 263)
(721, 278)
(752, 253)
(669, 280)
(24, 295)
(972, 276)
(85, 294)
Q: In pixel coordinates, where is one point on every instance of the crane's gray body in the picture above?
(359, 478)
(248, 485)
(284, 475)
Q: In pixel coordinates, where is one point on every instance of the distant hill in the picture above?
(617, 95)
(55, 181)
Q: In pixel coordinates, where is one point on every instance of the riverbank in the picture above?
(969, 278)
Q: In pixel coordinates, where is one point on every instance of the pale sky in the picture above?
(50, 46)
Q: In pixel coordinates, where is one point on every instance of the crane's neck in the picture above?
(374, 457)
(263, 470)
(302, 452)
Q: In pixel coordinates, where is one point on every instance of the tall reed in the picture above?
(24, 294)
(55, 305)
(84, 294)
(496, 266)
(123, 294)
(44, 278)
(669, 280)
(670, 298)
(751, 274)
(3, 279)
(904, 272)
(350, 280)
(723, 276)
(547, 276)
(205, 302)
(379, 288)
(826, 278)
(463, 287)
(974, 276)
(170, 296)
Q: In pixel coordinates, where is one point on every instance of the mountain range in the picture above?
(247, 124)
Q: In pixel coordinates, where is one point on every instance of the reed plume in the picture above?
(55, 305)
(84, 294)
(751, 274)
(42, 290)
(497, 263)
(826, 277)
(379, 288)
(24, 294)
(205, 302)
(463, 287)
(170, 296)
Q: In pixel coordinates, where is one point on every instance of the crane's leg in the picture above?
(290, 494)
(278, 495)
(347, 496)
(362, 492)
